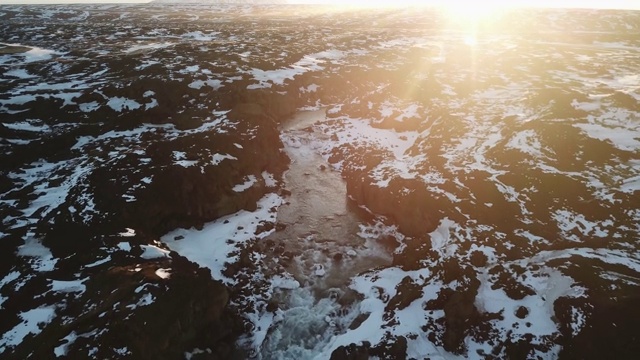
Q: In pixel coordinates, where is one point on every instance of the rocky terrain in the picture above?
(143, 182)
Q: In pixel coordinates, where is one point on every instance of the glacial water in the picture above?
(322, 228)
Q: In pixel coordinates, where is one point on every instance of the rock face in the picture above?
(509, 164)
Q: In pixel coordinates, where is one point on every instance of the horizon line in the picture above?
(550, 4)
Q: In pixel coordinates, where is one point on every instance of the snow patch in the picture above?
(214, 246)
(163, 273)
(153, 252)
(249, 182)
(32, 323)
(42, 258)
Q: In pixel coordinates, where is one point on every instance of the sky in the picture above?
(611, 4)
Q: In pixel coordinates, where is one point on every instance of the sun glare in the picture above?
(471, 40)
(470, 8)
(459, 11)
(472, 11)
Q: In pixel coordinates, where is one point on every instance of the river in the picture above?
(322, 231)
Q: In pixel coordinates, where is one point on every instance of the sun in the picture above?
(461, 4)
(455, 10)
(473, 11)
(458, 8)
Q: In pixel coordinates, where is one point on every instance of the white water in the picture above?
(320, 224)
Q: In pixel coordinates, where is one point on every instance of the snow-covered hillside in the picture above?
(443, 191)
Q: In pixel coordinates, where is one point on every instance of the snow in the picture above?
(149, 46)
(410, 112)
(624, 138)
(631, 185)
(34, 54)
(214, 245)
(56, 86)
(61, 350)
(548, 284)
(180, 158)
(124, 246)
(218, 158)
(190, 354)
(152, 104)
(32, 321)
(121, 351)
(192, 68)
(262, 323)
(310, 89)
(570, 222)
(89, 107)
(19, 73)
(527, 142)
(99, 262)
(29, 125)
(200, 36)
(146, 299)
(153, 252)
(578, 320)
(163, 273)
(352, 131)
(249, 182)
(42, 259)
(128, 233)
(614, 257)
(532, 238)
(215, 84)
(130, 135)
(68, 286)
(286, 282)
(186, 163)
(7, 279)
(120, 103)
(586, 106)
(440, 238)
(378, 287)
(145, 64)
(312, 62)
(269, 179)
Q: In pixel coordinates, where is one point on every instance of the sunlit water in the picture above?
(322, 232)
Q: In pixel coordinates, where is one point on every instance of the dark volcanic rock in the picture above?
(395, 350)
(351, 352)
(460, 316)
(407, 292)
(130, 307)
(610, 329)
(415, 212)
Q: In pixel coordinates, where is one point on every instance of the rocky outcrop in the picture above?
(395, 350)
(158, 308)
(414, 212)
